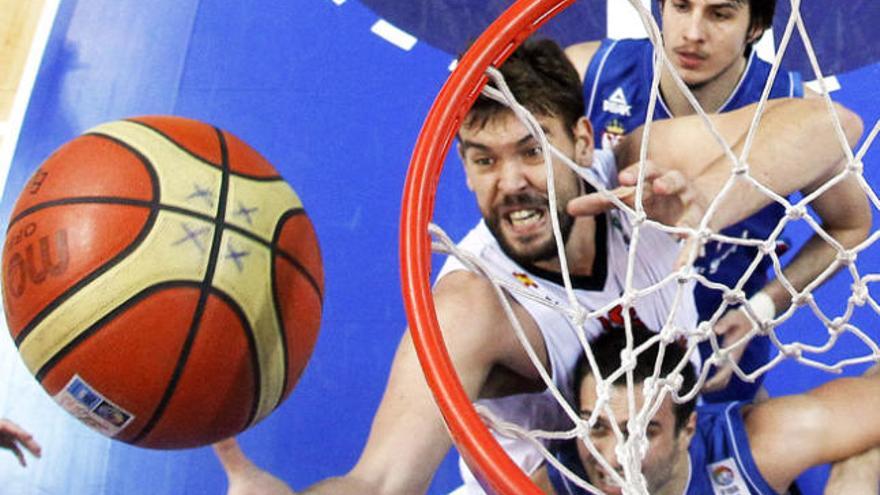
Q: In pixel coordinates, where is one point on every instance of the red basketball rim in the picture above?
(496, 472)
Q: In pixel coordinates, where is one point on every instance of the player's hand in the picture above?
(245, 478)
(731, 328)
(667, 195)
(255, 481)
(13, 438)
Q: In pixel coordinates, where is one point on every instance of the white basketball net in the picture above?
(632, 447)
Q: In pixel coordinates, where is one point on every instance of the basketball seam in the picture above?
(90, 277)
(206, 286)
(199, 158)
(252, 348)
(292, 259)
(98, 325)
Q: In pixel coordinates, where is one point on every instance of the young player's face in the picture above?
(667, 447)
(505, 169)
(705, 39)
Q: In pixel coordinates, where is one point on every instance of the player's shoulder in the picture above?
(580, 55)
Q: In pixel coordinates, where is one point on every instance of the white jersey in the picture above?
(542, 294)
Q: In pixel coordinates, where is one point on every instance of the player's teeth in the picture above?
(524, 216)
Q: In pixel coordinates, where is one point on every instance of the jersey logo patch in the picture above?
(614, 132)
(726, 478)
(525, 280)
(617, 103)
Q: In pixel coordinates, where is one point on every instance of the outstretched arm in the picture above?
(13, 438)
(833, 422)
(795, 148)
(408, 438)
(845, 215)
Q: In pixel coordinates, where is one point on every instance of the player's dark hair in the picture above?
(606, 349)
(542, 79)
(760, 16)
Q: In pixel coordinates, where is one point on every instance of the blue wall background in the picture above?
(337, 110)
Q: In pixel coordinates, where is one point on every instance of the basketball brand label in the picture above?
(40, 258)
(726, 478)
(37, 181)
(86, 404)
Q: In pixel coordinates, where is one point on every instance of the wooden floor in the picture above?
(18, 22)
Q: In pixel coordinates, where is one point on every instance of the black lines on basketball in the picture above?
(95, 328)
(83, 200)
(288, 257)
(126, 325)
(89, 278)
(248, 331)
(206, 288)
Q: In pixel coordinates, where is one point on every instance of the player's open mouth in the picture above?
(525, 220)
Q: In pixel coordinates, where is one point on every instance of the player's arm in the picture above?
(833, 422)
(581, 54)
(795, 148)
(408, 438)
(244, 477)
(845, 215)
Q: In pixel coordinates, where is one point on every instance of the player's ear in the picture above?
(754, 34)
(686, 433)
(583, 142)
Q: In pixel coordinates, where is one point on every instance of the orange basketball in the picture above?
(162, 282)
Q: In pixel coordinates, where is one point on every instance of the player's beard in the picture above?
(542, 252)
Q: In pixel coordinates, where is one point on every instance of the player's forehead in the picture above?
(504, 129)
(733, 4)
(619, 403)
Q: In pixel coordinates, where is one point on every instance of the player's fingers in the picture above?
(719, 380)
(18, 453)
(32, 445)
(630, 175)
(19, 434)
(596, 203)
(669, 183)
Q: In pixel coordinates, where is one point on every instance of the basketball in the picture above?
(162, 282)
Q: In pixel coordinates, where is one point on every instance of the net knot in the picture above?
(639, 218)
(802, 299)
(855, 167)
(740, 169)
(836, 325)
(734, 296)
(846, 257)
(792, 351)
(704, 330)
(859, 294)
(768, 247)
(796, 212)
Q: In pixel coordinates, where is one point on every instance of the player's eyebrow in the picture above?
(467, 144)
(586, 413)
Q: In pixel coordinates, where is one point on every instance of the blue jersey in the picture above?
(617, 88)
(721, 461)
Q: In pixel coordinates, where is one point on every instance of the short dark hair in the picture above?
(606, 349)
(542, 79)
(760, 14)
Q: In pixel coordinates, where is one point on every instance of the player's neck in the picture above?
(580, 250)
(710, 94)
